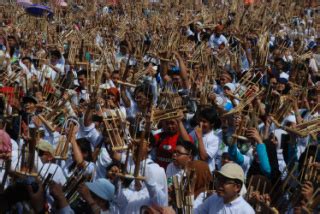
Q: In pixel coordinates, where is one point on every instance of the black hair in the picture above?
(56, 53)
(82, 72)
(146, 89)
(211, 115)
(85, 146)
(187, 145)
(26, 58)
(12, 37)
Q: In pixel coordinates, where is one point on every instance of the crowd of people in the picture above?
(160, 107)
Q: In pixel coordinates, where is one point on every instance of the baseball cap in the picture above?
(232, 171)
(103, 188)
(45, 146)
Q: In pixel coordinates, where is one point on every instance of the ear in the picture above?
(238, 187)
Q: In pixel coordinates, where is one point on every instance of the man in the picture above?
(153, 191)
(46, 154)
(228, 183)
(98, 195)
(55, 67)
(184, 153)
(217, 38)
(81, 91)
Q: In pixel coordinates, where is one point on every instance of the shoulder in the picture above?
(245, 206)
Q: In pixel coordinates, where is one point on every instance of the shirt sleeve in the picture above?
(204, 207)
(156, 183)
(263, 159)
(212, 146)
(65, 210)
(236, 156)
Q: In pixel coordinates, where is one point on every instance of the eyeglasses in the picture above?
(221, 180)
(179, 153)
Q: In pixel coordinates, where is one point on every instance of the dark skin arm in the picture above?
(125, 99)
(183, 70)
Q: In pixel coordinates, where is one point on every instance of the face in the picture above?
(224, 80)
(206, 126)
(226, 90)
(170, 127)
(281, 87)
(44, 156)
(30, 107)
(39, 96)
(141, 100)
(82, 81)
(226, 188)
(54, 60)
(176, 81)
(27, 63)
(115, 77)
(196, 68)
(181, 157)
(12, 42)
(273, 82)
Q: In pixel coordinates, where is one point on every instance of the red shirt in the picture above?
(8, 92)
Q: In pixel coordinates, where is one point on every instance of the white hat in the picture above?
(289, 119)
(199, 24)
(231, 86)
(233, 171)
(284, 75)
(278, 134)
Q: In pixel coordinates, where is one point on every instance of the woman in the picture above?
(204, 135)
(202, 183)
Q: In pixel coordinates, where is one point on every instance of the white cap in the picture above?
(233, 171)
(278, 134)
(231, 86)
(284, 75)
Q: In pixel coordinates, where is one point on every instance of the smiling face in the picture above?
(170, 127)
(226, 188)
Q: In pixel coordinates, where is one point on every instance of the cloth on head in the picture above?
(230, 86)
(278, 134)
(103, 188)
(203, 176)
(289, 119)
(114, 92)
(5, 142)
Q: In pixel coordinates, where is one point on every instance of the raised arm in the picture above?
(183, 70)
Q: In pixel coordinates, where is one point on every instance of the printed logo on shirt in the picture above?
(167, 147)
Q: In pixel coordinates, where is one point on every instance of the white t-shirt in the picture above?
(55, 170)
(103, 161)
(173, 170)
(211, 144)
(215, 42)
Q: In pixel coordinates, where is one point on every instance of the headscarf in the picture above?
(203, 176)
(114, 92)
(5, 142)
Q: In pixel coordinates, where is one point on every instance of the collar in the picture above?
(235, 202)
